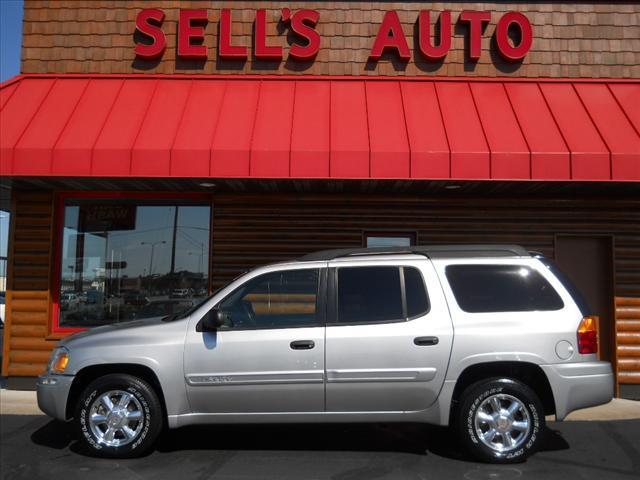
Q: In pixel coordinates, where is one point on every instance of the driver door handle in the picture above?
(302, 345)
(425, 341)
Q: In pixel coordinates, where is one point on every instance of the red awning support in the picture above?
(320, 127)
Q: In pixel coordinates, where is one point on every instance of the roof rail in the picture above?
(430, 251)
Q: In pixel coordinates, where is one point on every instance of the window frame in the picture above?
(321, 303)
(332, 319)
(60, 198)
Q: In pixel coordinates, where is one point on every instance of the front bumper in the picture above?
(53, 392)
(579, 385)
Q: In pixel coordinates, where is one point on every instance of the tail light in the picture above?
(588, 335)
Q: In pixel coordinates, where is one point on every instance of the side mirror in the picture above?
(212, 320)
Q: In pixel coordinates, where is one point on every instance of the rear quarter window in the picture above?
(501, 288)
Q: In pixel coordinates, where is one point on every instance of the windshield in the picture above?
(186, 313)
(189, 311)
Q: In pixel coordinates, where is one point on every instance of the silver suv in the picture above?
(488, 339)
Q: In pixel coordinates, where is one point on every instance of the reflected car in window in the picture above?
(69, 300)
(135, 298)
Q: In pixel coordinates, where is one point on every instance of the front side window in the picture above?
(126, 259)
(284, 299)
(501, 288)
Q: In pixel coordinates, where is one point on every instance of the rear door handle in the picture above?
(302, 344)
(425, 341)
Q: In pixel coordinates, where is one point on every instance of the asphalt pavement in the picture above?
(34, 447)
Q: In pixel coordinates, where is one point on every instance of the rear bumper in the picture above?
(53, 392)
(579, 385)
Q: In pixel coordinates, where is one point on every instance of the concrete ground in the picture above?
(16, 402)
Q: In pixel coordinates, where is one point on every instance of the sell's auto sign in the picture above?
(513, 35)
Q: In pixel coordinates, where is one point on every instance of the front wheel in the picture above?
(119, 416)
(500, 420)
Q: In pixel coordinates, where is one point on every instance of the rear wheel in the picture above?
(500, 420)
(119, 416)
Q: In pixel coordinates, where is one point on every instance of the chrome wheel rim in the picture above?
(116, 418)
(502, 422)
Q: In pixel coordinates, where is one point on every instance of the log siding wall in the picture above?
(250, 230)
(28, 310)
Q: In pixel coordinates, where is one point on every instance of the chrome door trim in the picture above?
(254, 378)
(381, 375)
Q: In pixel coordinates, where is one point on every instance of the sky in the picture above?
(10, 38)
(10, 41)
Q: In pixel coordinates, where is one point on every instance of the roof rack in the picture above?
(430, 251)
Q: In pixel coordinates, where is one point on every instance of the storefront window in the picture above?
(389, 239)
(128, 259)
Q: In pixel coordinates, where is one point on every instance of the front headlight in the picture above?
(59, 360)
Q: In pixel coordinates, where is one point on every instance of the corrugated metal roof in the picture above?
(252, 127)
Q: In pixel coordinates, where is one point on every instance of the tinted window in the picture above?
(274, 300)
(501, 288)
(369, 294)
(417, 300)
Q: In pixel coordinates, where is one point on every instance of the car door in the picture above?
(388, 337)
(269, 356)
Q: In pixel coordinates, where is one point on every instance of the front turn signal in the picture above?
(59, 360)
(588, 335)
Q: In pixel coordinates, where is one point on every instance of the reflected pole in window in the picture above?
(173, 241)
(153, 246)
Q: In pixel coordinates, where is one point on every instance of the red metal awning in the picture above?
(274, 127)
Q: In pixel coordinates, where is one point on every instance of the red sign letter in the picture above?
(476, 21)
(431, 52)
(508, 52)
(302, 24)
(225, 49)
(143, 25)
(390, 36)
(260, 48)
(186, 31)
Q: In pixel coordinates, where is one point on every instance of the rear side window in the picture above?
(501, 288)
(416, 293)
(369, 294)
(375, 294)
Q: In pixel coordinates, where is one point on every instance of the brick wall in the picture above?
(570, 40)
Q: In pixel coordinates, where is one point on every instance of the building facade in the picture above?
(153, 150)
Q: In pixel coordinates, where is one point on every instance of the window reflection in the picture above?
(127, 259)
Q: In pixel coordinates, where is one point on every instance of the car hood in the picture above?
(111, 331)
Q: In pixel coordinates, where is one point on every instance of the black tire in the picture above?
(146, 425)
(493, 440)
